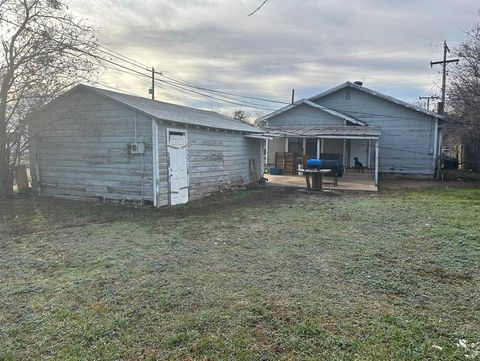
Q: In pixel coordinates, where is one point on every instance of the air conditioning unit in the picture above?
(136, 148)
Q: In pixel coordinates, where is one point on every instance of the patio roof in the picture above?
(340, 132)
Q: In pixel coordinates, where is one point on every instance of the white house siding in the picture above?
(217, 160)
(407, 140)
(304, 115)
(301, 115)
(80, 145)
(333, 146)
(359, 149)
(274, 146)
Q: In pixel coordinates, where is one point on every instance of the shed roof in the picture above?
(174, 112)
(326, 132)
(378, 94)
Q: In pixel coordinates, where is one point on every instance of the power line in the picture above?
(244, 104)
(353, 56)
(123, 57)
(124, 60)
(258, 8)
(222, 92)
(182, 85)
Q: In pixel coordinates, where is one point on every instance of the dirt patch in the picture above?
(227, 202)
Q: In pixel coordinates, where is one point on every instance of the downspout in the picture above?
(376, 162)
(155, 170)
(435, 145)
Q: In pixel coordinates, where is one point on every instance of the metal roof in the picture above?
(376, 94)
(173, 112)
(327, 132)
(314, 105)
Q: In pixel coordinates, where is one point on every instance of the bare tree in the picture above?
(44, 51)
(464, 92)
(240, 115)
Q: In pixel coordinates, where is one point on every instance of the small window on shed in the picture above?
(348, 94)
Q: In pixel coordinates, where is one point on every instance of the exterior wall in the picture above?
(217, 160)
(407, 140)
(333, 146)
(79, 149)
(358, 148)
(274, 146)
(304, 114)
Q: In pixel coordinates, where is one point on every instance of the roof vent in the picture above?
(358, 82)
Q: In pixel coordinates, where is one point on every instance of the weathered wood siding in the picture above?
(80, 144)
(217, 160)
(304, 115)
(407, 140)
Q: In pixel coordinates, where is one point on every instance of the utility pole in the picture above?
(152, 89)
(428, 98)
(444, 62)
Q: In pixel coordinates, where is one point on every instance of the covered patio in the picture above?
(341, 143)
(351, 181)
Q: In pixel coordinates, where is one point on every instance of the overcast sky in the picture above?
(309, 45)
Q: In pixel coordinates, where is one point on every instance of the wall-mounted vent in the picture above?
(136, 148)
(348, 94)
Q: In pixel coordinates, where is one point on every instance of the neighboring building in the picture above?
(351, 121)
(94, 143)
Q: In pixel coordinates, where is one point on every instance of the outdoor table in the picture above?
(316, 175)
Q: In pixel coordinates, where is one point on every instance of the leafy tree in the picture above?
(464, 92)
(44, 51)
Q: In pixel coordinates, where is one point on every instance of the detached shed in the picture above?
(95, 143)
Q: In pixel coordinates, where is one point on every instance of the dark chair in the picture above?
(337, 169)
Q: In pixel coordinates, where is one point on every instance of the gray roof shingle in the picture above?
(175, 113)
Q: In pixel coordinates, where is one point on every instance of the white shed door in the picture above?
(177, 170)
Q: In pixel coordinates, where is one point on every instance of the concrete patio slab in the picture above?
(351, 181)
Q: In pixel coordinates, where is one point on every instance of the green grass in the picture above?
(256, 275)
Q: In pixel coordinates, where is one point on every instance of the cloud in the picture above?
(309, 45)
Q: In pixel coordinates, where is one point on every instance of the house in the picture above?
(95, 143)
(351, 120)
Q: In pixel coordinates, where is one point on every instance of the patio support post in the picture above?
(263, 159)
(376, 162)
(286, 144)
(304, 145)
(322, 145)
(344, 152)
(369, 152)
(318, 148)
(266, 152)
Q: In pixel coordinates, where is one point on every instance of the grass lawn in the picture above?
(255, 275)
